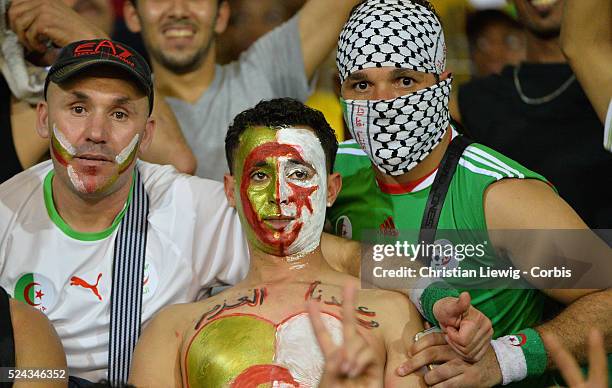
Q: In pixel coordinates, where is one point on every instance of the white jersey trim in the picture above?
(351, 151)
(501, 165)
(487, 163)
(478, 170)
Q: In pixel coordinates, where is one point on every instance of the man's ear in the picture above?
(223, 15)
(42, 119)
(147, 135)
(334, 185)
(229, 184)
(130, 16)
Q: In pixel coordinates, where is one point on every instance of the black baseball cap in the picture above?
(77, 57)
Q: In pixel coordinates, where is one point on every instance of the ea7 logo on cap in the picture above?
(106, 47)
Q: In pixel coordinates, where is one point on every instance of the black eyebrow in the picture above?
(126, 102)
(358, 76)
(301, 163)
(122, 100)
(397, 73)
(80, 95)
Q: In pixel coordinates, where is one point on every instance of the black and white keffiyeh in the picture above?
(395, 33)
(396, 134)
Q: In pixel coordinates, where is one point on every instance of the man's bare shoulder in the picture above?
(390, 305)
(177, 316)
(393, 305)
(398, 318)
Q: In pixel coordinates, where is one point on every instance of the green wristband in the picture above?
(433, 293)
(534, 351)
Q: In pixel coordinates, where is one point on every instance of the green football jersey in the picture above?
(365, 205)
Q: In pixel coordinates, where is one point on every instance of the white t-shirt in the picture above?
(272, 67)
(194, 242)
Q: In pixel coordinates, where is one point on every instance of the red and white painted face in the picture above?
(282, 189)
(83, 172)
(95, 125)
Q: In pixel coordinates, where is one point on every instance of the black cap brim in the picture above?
(68, 71)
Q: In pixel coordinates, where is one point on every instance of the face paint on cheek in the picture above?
(89, 179)
(77, 182)
(309, 197)
(300, 200)
(127, 155)
(62, 149)
(123, 160)
(256, 204)
(64, 152)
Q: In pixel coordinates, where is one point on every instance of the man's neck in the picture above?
(266, 268)
(543, 50)
(88, 215)
(188, 86)
(429, 164)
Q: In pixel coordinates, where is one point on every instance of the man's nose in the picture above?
(278, 199)
(278, 192)
(385, 92)
(178, 8)
(98, 128)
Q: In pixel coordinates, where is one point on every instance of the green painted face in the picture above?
(257, 194)
(281, 188)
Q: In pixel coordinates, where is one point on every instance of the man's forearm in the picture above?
(320, 24)
(586, 40)
(523, 354)
(574, 323)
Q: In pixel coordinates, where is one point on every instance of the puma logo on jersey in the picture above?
(77, 281)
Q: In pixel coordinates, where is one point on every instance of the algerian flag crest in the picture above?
(36, 290)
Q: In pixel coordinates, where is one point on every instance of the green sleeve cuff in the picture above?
(433, 293)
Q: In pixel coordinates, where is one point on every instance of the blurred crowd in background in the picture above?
(519, 86)
(481, 35)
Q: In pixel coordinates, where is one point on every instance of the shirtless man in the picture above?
(280, 154)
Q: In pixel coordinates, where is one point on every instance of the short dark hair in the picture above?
(277, 113)
(478, 21)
